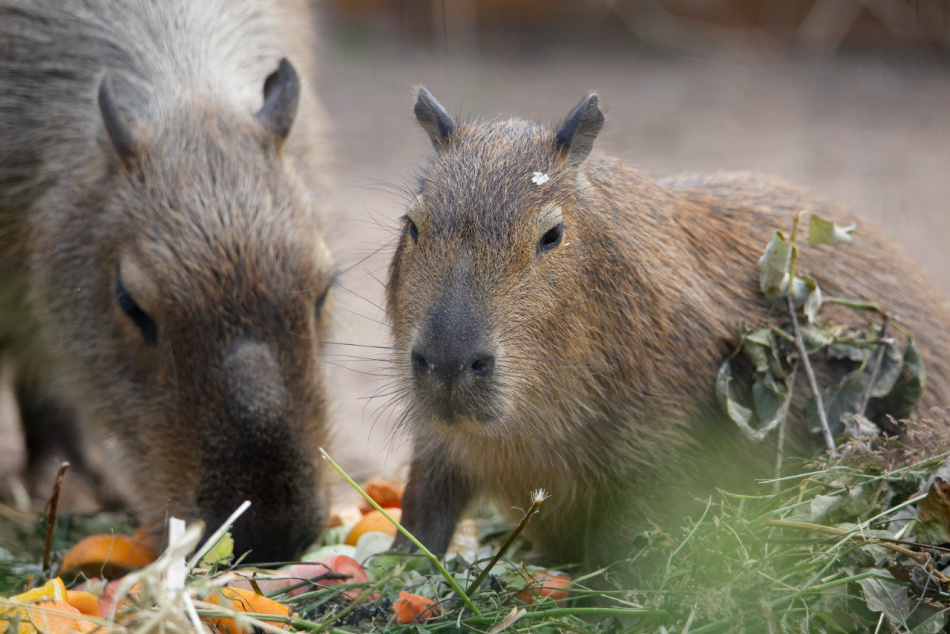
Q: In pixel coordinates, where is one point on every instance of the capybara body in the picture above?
(163, 273)
(559, 320)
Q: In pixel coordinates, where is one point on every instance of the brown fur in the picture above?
(210, 222)
(606, 346)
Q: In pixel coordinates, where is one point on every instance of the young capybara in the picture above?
(163, 273)
(559, 320)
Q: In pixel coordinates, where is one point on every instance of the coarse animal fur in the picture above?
(163, 272)
(565, 334)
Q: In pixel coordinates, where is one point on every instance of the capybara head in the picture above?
(190, 291)
(488, 284)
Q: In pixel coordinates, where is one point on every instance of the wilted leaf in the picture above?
(884, 596)
(888, 373)
(816, 336)
(813, 301)
(902, 401)
(773, 266)
(846, 351)
(820, 506)
(934, 514)
(800, 291)
(823, 231)
(758, 354)
(726, 395)
(771, 399)
(762, 337)
(926, 584)
(841, 399)
(859, 425)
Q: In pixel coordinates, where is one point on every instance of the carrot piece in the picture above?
(410, 608)
(106, 556)
(241, 600)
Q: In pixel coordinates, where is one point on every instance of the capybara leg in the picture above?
(435, 497)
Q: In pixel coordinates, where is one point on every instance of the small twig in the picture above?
(780, 442)
(856, 305)
(921, 558)
(51, 516)
(412, 538)
(877, 366)
(810, 373)
(537, 497)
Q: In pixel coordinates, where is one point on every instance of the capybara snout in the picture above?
(452, 355)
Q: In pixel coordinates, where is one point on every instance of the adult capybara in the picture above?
(162, 267)
(559, 320)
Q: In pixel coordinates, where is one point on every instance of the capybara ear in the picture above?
(577, 133)
(434, 119)
(281, 98)
(115, 123)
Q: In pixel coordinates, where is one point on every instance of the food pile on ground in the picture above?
(351, 579)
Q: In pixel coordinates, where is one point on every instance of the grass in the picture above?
(831, 549)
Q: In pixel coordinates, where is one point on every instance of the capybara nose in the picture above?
(452, 368)
(482, 365)
(419, 364)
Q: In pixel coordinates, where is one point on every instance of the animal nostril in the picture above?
(483, 365)
(419, 363)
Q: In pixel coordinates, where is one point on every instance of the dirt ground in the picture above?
(870, 133)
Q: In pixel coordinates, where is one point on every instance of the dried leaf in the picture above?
(509, 620)
(824, 231)
(859, 425)
(934, 514)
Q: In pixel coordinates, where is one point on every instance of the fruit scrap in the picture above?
(49, 609)
(374, 521)
(52, 589)
(46, 616)
(241, 600)
(411, 608)
(326, 573)
(85, 602)
(385, 493)
(553, 585)
(106, 556)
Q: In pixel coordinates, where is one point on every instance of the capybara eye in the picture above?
(138, 316)
(551, 238)
(412, 230)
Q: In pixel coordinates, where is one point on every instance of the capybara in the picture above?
(163, 271)
(559, 319)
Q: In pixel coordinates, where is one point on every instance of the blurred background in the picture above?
(848, 98)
